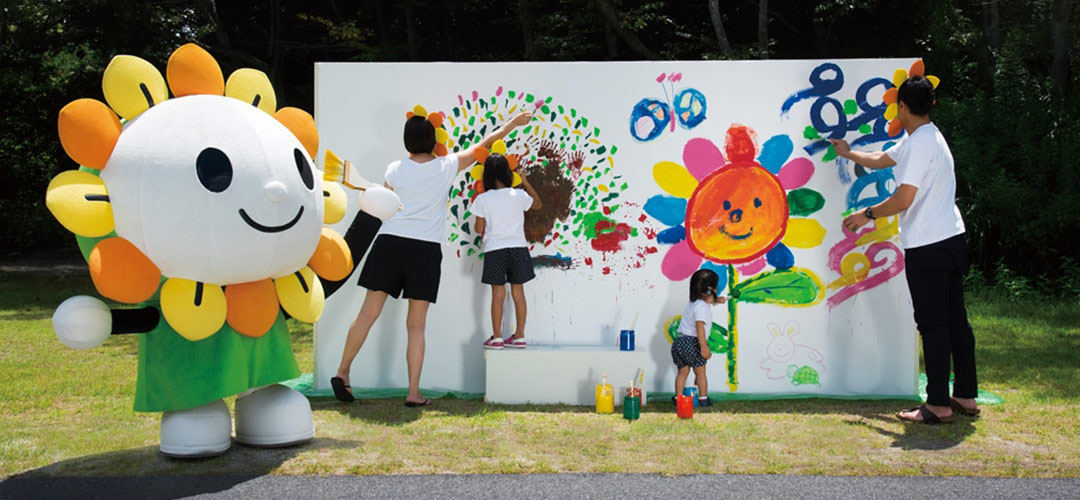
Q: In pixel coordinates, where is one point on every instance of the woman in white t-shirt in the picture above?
(500, 220)
(935, 251)
(406, 258)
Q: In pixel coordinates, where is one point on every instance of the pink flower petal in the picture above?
(660, 78)
(475, 95)
(796, 173)
(701, 157)
(499, 90)
(680, 262)
(752, 267)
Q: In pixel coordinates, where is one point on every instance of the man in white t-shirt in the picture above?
(935, 250)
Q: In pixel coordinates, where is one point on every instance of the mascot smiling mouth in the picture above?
(737, 236)
(277, 229)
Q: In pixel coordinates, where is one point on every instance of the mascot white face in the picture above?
(214, 190)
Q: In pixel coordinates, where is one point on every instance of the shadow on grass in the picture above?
(918, 436)
(146, 473)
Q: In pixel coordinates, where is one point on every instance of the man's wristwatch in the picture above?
(869, 213)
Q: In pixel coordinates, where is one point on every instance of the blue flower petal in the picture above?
(780, 257)
(775, 152)
(671, 235)
(667, 209)
(721, 271)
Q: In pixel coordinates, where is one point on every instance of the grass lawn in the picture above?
(69, 412)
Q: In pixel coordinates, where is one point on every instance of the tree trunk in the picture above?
(380, 21)
(718, 26)
(1059, 69)
(763, 29)
(210, 6)
(526, 29)
(410, 31)
(991, 39)
(628, 36)
(274, 51)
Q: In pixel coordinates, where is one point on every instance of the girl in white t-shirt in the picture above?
(500, 220)
(407, 254)
(690, 350)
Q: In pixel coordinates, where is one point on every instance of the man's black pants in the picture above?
(935, 276)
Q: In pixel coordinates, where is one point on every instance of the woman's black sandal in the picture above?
(928, 417)
(341, 390)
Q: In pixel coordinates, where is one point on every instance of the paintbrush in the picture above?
(335, 169)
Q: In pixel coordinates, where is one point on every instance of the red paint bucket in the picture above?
(684, 406)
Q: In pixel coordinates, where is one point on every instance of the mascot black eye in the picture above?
(757, 202)
(214, 169)
(304, 166)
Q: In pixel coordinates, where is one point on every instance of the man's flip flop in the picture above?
(425, 402)
(959, 408)
(341, 390)
(928, 417)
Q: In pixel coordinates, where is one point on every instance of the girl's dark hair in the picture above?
(496, 168)
(703, 282)
(419, 135)
(918, 94)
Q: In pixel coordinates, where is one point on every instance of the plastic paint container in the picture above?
(684, 406)
(692, 392)
(605, 398)
(626, 340)
(631, 408)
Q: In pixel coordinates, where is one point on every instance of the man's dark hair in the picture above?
(703, 282)
(419, 135)
(918, 94)
(496, 168)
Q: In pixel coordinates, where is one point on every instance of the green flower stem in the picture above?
(733, 334)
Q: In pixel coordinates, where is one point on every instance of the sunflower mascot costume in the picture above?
(206, 211)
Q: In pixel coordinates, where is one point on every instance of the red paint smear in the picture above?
(547, 243)
(642, 218)
(650, 250)
(588, 261)
(650, 233)
(607, 270)
(741, 143)
(607, 210)
(610, 235)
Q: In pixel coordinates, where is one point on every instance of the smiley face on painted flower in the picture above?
(213, 189)
(737, 213)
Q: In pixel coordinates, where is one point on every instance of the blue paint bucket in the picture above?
(692, 392)
(626, 340)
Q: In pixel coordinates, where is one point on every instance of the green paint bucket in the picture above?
(631, 407)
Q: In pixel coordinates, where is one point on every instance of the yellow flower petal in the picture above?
(890, 112)
(517, 179)
(301, 295)
(195, 310)
(674, 179)
(899, 76)
(499, 147)
(253, 87)
(933, 80)
(131, 85)
(419, 110)
(79, 201)
(803, 233)
(334, 202)
(477, 172)
(441, 135)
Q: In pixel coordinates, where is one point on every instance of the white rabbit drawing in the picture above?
(782, 351)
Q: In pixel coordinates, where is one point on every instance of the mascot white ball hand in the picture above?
(380, 202)
(82, 322)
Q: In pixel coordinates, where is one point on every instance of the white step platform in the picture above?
(560, 374)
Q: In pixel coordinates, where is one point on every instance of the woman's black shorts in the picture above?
(397, 264)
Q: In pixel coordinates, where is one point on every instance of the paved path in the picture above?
(539, 486)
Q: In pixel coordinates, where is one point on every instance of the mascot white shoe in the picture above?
(273, 416)
(205, 211)
(204, 431)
